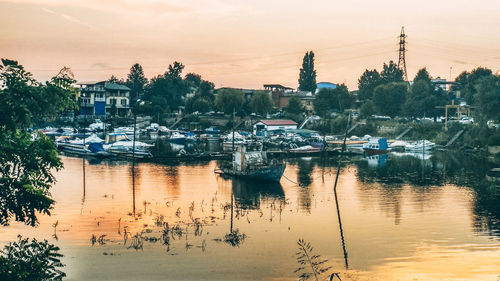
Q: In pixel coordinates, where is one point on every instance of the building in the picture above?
(103, 98)
(262, 127)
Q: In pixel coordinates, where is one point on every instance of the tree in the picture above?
(467, 83)
(328, 100)
(198, 103)
(136, 81)
(307, 75)
(391, 73)
(389, 98)
(489, 97)
(367, 109)
(295, 106)
(114, 79)
(30, 260)
(261, 102)
(26, 166)
(169, 87)
(422, 75)
(367, 83)
(228, 100)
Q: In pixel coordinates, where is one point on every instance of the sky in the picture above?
(245, 44)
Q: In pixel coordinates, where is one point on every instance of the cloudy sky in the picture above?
(243, 43)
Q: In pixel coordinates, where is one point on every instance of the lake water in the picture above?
(402, 217)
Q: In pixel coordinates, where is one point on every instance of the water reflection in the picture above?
(401, 217)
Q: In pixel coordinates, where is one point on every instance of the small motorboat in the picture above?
(422, 145)
(306, 149)
(376, 146)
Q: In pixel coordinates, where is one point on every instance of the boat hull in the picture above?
(268, 173)
(371, 152)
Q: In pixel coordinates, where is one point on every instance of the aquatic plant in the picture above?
(234, 238)
(137, 242)
(30, 260)
(159, 220)
(310, 264)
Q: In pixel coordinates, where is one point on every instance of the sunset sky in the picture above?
(248, 43)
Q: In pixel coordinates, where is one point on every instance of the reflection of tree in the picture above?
(455, 168)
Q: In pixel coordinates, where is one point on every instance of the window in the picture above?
(123, 102)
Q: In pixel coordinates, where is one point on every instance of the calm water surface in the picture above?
(403, 218)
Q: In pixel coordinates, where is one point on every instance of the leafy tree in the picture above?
(136, 81)
(295, 106)
(30, 260)
(367, 83)
(391, 73)
(307, 75)
(261, 102)
(467, 83)
(198, 103)
(422, 75)
(114, 79)
(328, 100)
(367, 109)
(169, 87)
(389, 98)
(489, 97)
(229, 99)
(26, 165)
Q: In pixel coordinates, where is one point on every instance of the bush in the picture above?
(30, 260)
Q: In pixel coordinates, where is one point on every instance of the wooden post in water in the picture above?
(233, 130)
(335, 193)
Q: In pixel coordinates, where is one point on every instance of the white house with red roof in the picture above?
(264, 126)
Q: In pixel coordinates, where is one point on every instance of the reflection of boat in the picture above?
(422, 145)
(306, 149)
(377, 160)
(493, 175)
(426, 155)
(249, 194)
(376, 146)
(177, 137)
(253, 165)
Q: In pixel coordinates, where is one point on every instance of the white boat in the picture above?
(177, 137)
(126, 148)
(422, 145)
(306, 149)
(90, 146)
(376, 146)
(124, 130)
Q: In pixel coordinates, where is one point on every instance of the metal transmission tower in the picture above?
(402, 52)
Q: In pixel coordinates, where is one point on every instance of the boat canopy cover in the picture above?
(91, 139)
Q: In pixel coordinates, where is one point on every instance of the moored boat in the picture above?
(306, 149)
(422, 145)
(253, 165)
(376, 146)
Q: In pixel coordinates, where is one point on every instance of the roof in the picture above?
(277, 87)
(326, 85)
(114, 86)
(278, 122)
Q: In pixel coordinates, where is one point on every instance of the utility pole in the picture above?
(402, 52)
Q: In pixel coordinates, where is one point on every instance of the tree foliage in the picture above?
(423, 98)
(467, 83)
(329, 100)
(26, 165)
(488, 97)
(389, 98)
(423, 75)
(228, 100)
(307, 75)
(136, 81)
(295, 106)
(261, 102)
(391, 73)
(168, 88)
(367, 83)
(30, 260)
